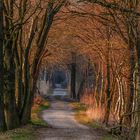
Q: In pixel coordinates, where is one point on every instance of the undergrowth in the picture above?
(82, 117)
(27, 132)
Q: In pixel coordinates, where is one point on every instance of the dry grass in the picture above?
(96, 114)
(95, 111)
(82, 117)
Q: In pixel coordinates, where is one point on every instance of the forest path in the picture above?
(63, 126)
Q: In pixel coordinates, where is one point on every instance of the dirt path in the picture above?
(63, 126)
(60, 115)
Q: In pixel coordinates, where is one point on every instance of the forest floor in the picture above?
(63, 124)
(60, 119)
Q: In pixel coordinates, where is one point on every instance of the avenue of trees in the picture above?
(98, 41)
(24, 27)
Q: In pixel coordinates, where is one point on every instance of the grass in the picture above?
(27, 132)
(36, 110)
(23, 133)
(82, 118)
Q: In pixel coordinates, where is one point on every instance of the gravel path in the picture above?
(60, 115)
(63, 125)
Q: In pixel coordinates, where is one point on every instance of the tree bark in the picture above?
(2, 116)
(73, 77)
(130, 96)
(108, 91)
(81, 88)
(138, 96)
(10, 100)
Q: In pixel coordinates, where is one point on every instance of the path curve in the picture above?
(63, 126)
(61, 115)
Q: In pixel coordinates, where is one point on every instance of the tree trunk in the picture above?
(2, 116)
(10, 100)
(26, 110)
(73, 77)
(18, 75)
(19, 88)
(138, 96)
(81, 88)
(130, 96)
(108, 92)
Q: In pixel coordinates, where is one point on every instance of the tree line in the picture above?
(24, 28)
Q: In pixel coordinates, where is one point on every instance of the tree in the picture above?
(2, 116)
(73, 75)
(21, 54)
